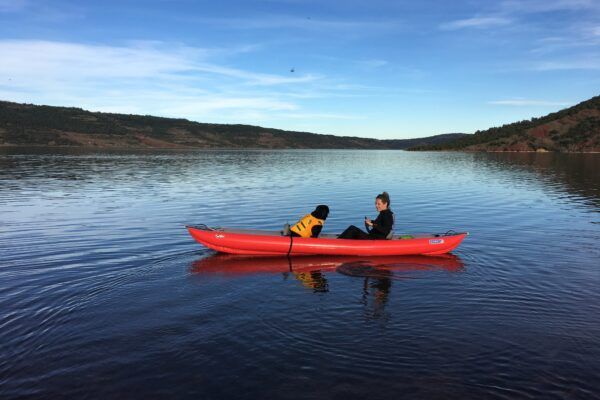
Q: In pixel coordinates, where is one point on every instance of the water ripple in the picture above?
(98, 277)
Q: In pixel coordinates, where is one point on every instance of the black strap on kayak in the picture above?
(291, 243)
(451, 232)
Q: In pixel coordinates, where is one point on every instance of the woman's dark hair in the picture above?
(384, 197)
(321, 212)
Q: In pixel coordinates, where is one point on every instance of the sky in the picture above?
(375, 68)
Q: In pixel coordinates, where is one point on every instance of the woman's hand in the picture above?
(368, 222)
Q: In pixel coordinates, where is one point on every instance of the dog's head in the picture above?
(321, 212)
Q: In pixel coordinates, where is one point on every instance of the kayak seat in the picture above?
(390, 235)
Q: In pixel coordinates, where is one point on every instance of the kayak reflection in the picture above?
(377, 272)
(232, 265)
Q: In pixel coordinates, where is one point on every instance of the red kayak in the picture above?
(266, 243)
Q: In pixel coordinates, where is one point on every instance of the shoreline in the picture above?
(88, 148)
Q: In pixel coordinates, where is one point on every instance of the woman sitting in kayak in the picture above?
(311, 224)
(377, 229)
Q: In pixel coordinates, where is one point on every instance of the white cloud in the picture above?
(541, 6)
(374, 63)
(301, 23)
(476, 22)
(312, 116)
(71, 61)
(580, 64)
(207, 105)
(526, 102)
(141, 77)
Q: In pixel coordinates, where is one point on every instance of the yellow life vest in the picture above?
(305, 225)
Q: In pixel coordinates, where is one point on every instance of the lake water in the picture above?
(103, 294)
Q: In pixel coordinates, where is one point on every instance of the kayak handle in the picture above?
(452, 232)
(202, 227)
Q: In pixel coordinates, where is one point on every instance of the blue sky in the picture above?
(383, 69)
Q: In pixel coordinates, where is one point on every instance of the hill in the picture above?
(427, 141)
(574, 129)
(47, 126)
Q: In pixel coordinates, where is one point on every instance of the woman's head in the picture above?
(382, 201)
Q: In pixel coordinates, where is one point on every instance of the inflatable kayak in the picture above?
(267, 243)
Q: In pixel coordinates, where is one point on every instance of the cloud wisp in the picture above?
(151, 78)
(509, 11)
(68, 61)
(529, 102)
(544, 6)
(576, 64)
(308, 23)
(476, 22)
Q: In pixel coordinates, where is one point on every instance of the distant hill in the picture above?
(431, 140)
(574, 129)
(32, 125)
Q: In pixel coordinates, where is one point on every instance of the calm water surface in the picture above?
(104, 295)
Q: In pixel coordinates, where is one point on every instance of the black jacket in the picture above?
(382, 225)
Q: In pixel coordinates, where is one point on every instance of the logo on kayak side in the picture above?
(436, 241)
(219, 236)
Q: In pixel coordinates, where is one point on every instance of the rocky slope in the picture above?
(575, 129)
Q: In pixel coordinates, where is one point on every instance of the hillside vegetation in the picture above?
(575, 129)
(32, 125)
